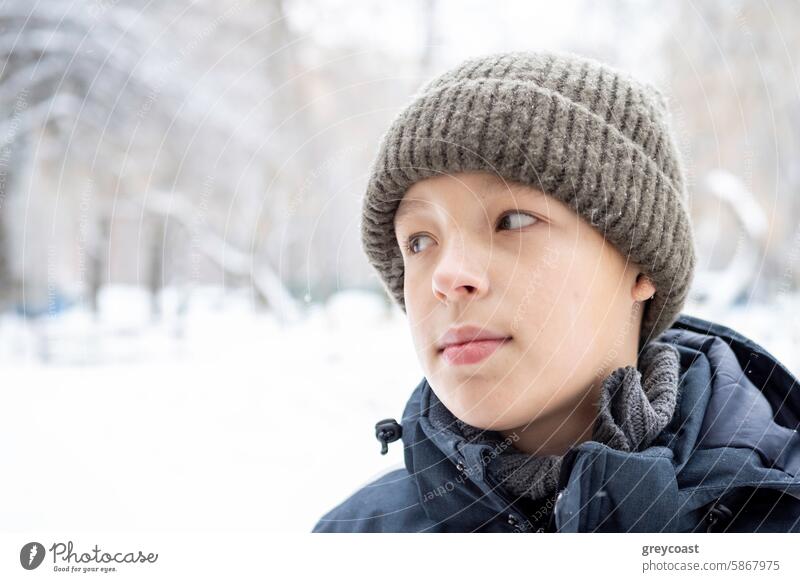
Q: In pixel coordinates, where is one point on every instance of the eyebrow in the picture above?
(488, 188)
(407, 206)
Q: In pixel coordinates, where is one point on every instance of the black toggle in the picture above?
(387, 431)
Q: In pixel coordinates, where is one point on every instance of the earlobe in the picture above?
(644, 288)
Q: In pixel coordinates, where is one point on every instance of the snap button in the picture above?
(512, 519)
(460, 466)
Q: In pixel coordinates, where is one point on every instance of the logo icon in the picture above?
(31, 555)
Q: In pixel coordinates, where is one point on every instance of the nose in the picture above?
(461, 272)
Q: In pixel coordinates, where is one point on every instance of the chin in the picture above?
(488, 419)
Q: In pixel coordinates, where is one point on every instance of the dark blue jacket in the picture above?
(729, 460)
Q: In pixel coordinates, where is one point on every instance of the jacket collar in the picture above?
(725, 432)
(746, 396)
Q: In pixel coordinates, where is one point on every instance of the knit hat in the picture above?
(579, 130)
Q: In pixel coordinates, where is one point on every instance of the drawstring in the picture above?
(387, 431)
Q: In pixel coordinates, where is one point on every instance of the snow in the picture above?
(235, 423)
(732, 190)
(216, 416)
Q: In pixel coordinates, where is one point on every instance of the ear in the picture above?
(644, 288)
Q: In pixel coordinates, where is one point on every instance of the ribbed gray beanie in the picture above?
(579, 130)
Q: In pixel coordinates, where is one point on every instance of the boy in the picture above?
(528, 212)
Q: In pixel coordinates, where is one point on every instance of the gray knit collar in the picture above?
(634, 407)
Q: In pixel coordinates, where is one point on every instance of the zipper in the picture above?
(511, 507)
(498, 490)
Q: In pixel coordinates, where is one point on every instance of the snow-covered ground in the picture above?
(221, 418)
(238, 424)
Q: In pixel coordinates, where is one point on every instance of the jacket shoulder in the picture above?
(387, 504)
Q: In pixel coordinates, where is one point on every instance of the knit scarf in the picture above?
(634, 407)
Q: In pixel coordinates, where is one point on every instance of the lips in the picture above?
(470, 344)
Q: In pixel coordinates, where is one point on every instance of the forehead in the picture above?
(486, 188)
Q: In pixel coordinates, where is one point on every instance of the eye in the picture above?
(507, 218)
(410, 243)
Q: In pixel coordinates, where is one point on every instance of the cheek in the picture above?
(413, 296)
(417, 282)
(587, 289)
(546, 297)
(555, 316)
(574, 318)
(420, 339)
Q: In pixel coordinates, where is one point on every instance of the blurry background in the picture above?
(190, 334)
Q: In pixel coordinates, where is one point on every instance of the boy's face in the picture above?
(511, 260)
